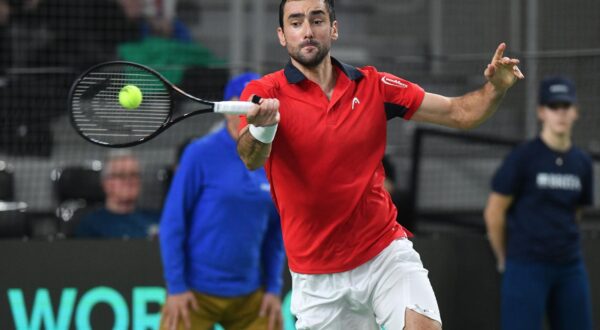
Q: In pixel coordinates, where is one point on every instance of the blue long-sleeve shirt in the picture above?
(220, 233)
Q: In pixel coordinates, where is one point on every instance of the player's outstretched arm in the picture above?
(254, 142)
(472, 109)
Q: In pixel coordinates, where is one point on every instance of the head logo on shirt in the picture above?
(355, 101)
(393, 82)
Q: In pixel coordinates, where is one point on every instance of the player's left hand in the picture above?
(271, 308)
(503, 72)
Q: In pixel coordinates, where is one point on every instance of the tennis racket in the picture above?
(98, 116)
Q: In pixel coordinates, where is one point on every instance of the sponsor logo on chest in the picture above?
(558, 181)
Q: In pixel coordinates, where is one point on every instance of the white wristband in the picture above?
(264, 134)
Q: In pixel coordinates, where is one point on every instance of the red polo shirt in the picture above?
(325, 166)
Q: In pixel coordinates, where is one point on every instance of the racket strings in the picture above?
(98, 115)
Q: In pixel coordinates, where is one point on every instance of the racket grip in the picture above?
(233, 107)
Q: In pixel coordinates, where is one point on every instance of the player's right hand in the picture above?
(177, 309)
(266, 113)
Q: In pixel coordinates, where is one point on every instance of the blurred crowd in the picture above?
(77, 34)
(45, 45)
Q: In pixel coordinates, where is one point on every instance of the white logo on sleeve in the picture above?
(558, 181)
(393, 82)
(355, 101)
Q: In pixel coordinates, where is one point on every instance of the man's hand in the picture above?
(271, 308)
(503, 72)
(265, 114)
(177, 308)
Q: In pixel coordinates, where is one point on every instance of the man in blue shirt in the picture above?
(220, 237)
(120, 216)
(532, 215)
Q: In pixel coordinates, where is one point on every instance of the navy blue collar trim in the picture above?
(294, 76)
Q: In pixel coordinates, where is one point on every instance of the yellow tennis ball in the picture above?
(130, 97)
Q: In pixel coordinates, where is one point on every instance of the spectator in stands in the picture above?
(400, 198)
(220, 237)
(120, 216)
(158, 26)
(532, 215)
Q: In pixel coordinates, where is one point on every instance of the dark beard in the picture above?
(314, 61)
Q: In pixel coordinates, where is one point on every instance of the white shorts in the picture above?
(374, 294)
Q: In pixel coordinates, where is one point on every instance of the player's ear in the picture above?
(281, 37)
(334, 31)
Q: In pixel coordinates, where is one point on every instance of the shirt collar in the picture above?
(294, 76)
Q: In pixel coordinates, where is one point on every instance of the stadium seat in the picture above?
(76, 188)
(165, 174)
(13, 220)
(206, 83)
(42, 226)
(7, 182)
(78, 182)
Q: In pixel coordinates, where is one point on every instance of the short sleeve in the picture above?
(402, 98)
(507, 178)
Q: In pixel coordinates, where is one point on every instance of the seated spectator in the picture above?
(120, 217)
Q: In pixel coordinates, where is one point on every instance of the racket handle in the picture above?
(233, 107)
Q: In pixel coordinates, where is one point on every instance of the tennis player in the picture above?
(532, 216)
(320, 130)
(220, 237)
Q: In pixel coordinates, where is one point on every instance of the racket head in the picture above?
(97, 115)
